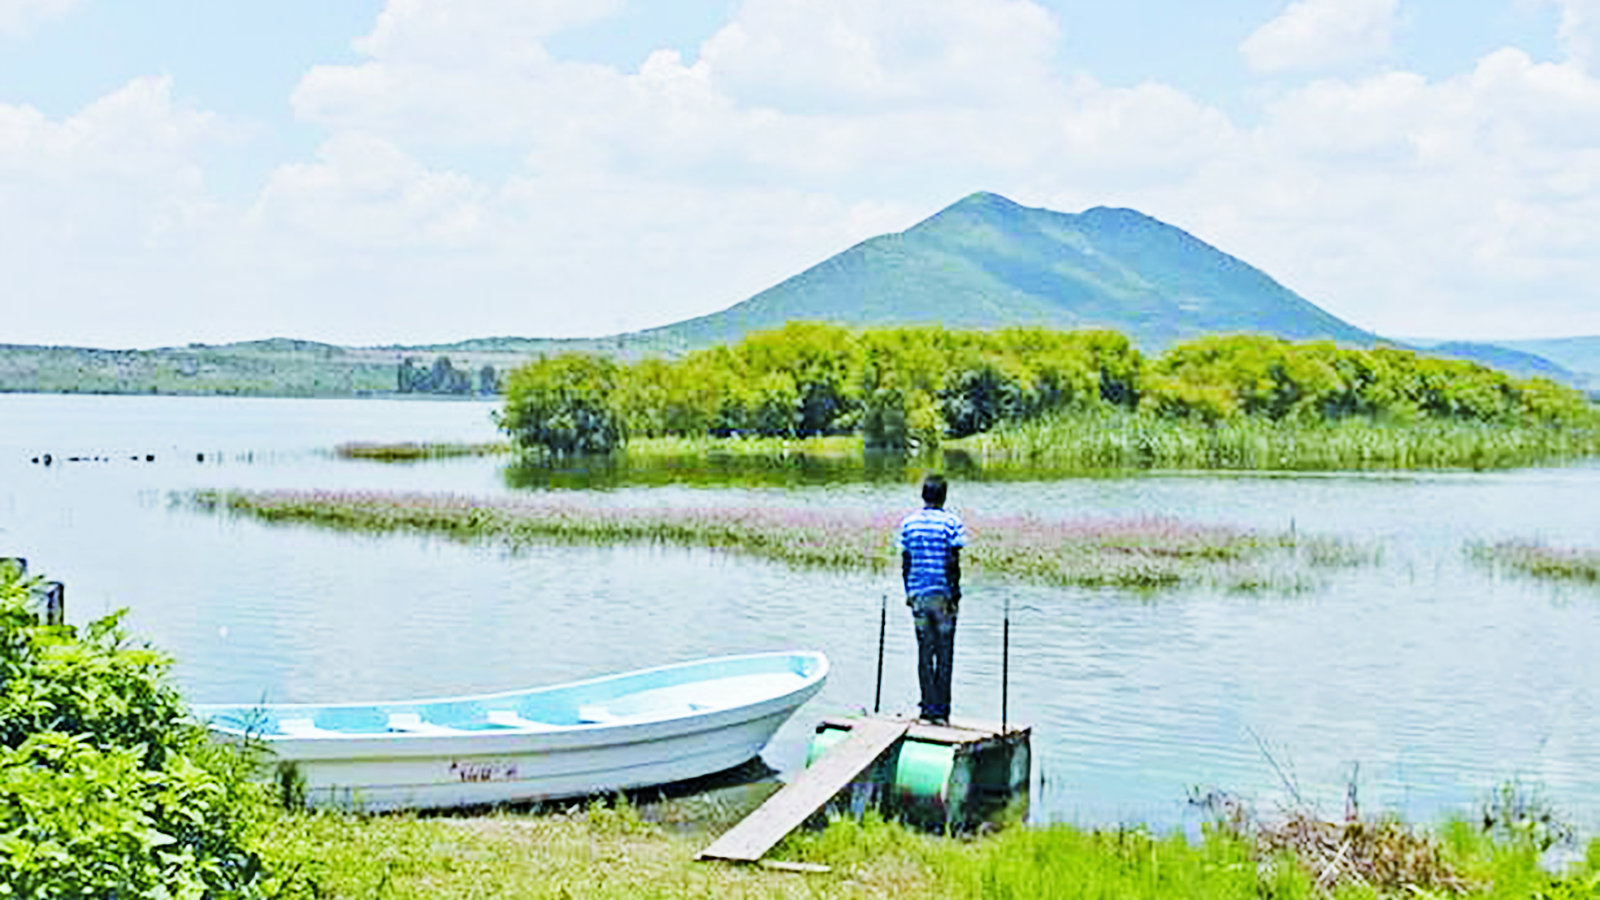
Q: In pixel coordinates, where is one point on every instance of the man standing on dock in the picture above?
(930, 565)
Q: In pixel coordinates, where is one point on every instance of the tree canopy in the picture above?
(903, 388)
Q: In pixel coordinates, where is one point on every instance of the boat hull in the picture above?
(648, 728)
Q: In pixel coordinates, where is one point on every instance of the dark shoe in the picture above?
(937, 720)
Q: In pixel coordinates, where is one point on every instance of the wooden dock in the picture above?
(940, 777)
(748, 841)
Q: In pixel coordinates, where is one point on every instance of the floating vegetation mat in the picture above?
(411, 451)
(1141, 553)
(1556, 563)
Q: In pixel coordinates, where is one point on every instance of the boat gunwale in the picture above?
(199, 711)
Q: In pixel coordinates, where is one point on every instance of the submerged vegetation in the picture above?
(1556, 563)
(1130, 553)
(409, 451)
(1084, 398)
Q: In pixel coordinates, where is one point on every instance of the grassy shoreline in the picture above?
(609, 851)
(1139, 553)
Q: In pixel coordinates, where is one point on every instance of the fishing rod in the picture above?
(883, 625)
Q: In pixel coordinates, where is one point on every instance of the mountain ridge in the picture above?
(986, 261)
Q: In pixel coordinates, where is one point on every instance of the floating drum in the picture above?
(953, 777)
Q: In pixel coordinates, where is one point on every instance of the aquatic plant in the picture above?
(1115, 440)
(1539, 560)
(411, 451)
(1142, 552)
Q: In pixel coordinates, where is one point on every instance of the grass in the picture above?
(610, 851)
(1541, 561)
(1124, 441)
(409, 451)
(1140, 553)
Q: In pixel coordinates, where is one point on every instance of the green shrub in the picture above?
(106, 789)
(564, 406)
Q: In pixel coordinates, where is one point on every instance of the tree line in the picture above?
(443, 378)
(906, 388)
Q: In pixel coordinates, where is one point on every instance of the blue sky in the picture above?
(375, 171)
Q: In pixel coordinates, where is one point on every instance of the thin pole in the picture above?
(1005, 664)
(883, 626)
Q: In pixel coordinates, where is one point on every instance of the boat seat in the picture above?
(412, 723)
(599, 714)
(302, 728)
(596, 714)
(508, 718)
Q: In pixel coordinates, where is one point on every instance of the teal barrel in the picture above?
(927, 783)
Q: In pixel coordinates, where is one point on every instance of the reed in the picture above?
(410, 451)
(1140, 553)
(643, 451)
(1555, 563)
(1126, 441)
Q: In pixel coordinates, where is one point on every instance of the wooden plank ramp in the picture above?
(784, 811)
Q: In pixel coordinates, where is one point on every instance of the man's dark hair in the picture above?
(934, 488)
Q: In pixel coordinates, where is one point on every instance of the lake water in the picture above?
(1427, 676)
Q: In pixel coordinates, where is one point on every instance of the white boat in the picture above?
(598, 736)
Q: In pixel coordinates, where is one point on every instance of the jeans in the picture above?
(934, 617)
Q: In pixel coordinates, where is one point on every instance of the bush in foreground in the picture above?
(106, 789)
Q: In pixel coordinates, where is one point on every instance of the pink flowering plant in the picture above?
(1140, 552)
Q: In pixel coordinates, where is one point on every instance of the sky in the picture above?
(414, 171)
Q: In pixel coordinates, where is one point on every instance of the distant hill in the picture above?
(1497, 356)
(987, 262)
(1576, 354)
(983, 262)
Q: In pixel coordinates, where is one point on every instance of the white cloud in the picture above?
(475, 33)
(1579, 29)
(845, 55)
(365, 193)
(632, 197)
(19, 16)
(123, 171)
(1319, 34)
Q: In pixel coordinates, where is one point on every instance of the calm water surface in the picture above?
(1435, 678)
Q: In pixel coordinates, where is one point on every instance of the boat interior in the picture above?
(667, 693)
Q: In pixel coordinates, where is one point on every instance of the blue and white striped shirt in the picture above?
(927, 535)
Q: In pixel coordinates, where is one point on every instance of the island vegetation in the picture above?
(1070, 398)
(1138, 553)
(1570, 564)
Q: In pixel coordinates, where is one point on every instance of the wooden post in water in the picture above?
(883, 625)
(53, 597)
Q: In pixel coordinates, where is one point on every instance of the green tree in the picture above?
(564, 405)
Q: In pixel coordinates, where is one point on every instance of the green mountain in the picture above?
(987, 262)
(983, 262)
